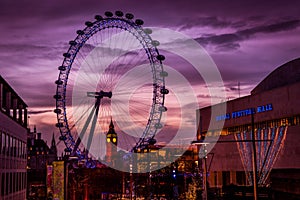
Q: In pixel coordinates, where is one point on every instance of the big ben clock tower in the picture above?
(111, 144)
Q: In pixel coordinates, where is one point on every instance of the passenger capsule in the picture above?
(158, 125)
(129, 16)
(57, 96)
(59, 82)
(57, 111)
(163, 109)
(59, 125)
(160, 57)
(119, 13)
(98, 17)
(139, 22)
(72, 42)
(108, 14)
(164, 91)
(80, 32)
(89, 24)
(163, 74)
(152, 141)
(148, 31)
(155, 43)
(62, 138)
(67, 55)
(62, 68)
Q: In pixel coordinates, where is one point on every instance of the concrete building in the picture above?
(274, 105)
(13, 139)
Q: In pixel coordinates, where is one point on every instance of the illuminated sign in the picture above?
(245, 112)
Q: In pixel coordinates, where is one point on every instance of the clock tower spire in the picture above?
(111, 144)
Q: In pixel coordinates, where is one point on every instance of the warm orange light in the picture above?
(108, 139)
(114, 140)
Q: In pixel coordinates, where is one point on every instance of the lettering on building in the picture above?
(245, 112)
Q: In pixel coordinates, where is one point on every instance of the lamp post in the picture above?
(254, 163)
(205, 173)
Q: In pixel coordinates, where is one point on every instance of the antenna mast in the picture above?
(239, 89)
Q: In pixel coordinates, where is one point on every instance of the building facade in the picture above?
(13, 140)
(39, 155)
(273, 112)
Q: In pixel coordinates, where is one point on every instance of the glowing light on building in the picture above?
(269, 143)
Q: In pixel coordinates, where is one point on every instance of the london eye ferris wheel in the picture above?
(111, 71)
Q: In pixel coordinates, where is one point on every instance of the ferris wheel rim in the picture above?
(155, 59)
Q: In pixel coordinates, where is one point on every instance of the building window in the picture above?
(11, 184)
(2, 184)
(11, 146)
(14, 147)
(226, 177)
(241, 178)
(2, 139)
(6, 182)
(4, 100)
(1, 142)
(18, 148)
(7, 145)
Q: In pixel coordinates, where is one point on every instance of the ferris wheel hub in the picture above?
(100, 94)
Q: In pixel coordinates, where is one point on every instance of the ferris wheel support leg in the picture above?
(86, 123)
(92, 131)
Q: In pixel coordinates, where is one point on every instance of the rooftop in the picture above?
(286, 74)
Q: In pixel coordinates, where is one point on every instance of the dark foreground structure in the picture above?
(13, 140)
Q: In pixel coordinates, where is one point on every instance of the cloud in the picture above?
(231, 41)
(37, 112)
(29, 52)
(34, 90)
(206, 21)
(248, 21)
(271, 28)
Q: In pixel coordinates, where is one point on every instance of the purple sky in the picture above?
(247, 40)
